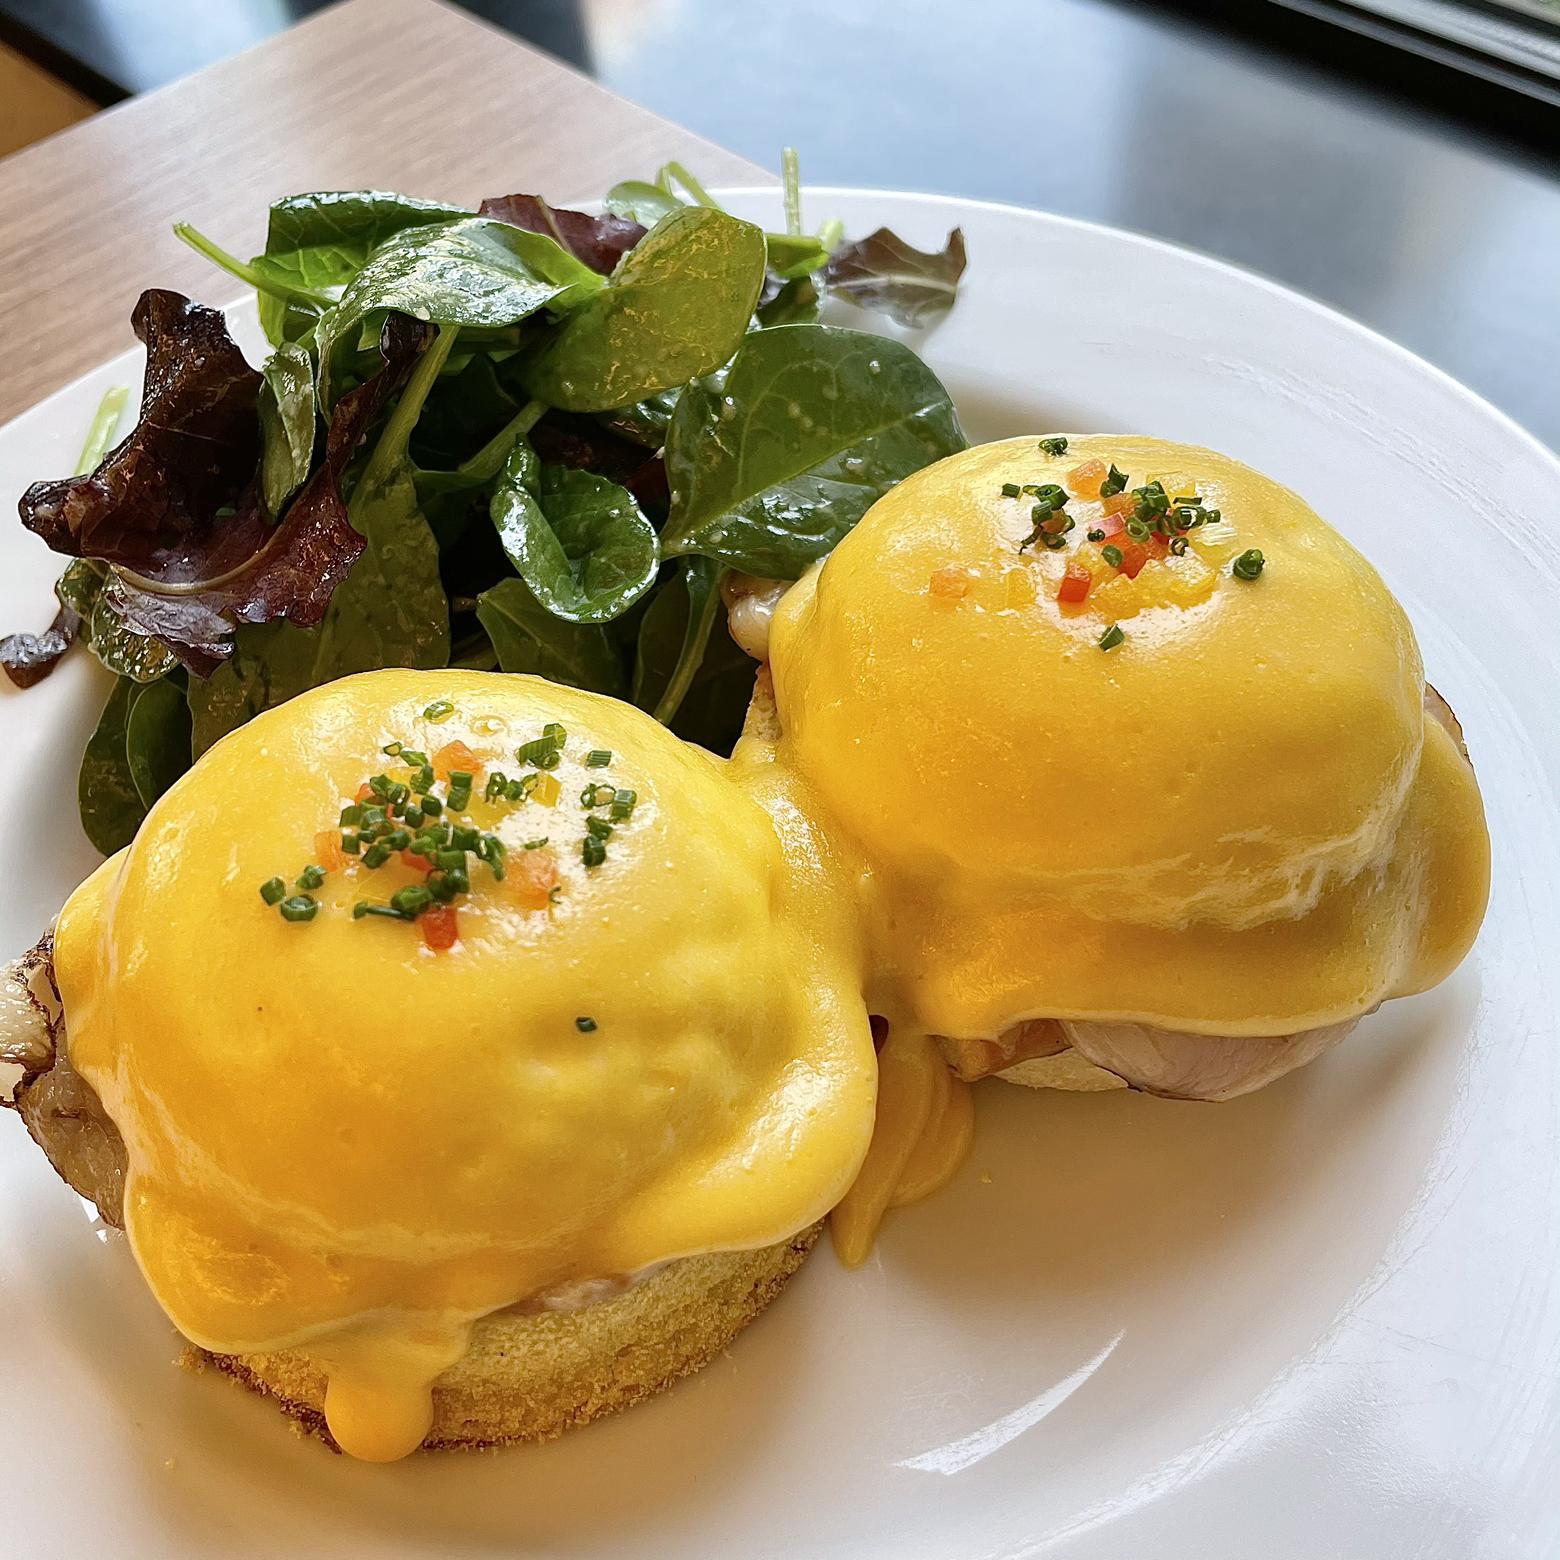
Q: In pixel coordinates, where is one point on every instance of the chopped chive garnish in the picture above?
(1249, 565)
(599, 827)
(412, 758)
(1178, 546)
(411, 900)
(422, 780)
(440, 709)
(535, 844)
(368, 907)
(376, 855)
(1112, 555)
(1115, 482)
(1095, 535)
(1112, 637)
(585, 1026)
(391, 750)
(352, 814)
(299, 908)
(432, 806)
(592, 851)
(623, 804)
(598, 758)
(351, 844)
(311, 876)
(1053, 447)
(595, 795)
(273, 891)
(1011, 490)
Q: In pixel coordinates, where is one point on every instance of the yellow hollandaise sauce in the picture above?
(430, 992)
(1122, 729)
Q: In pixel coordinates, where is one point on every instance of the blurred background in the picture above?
(1399, 159)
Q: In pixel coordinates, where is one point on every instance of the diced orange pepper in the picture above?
(1119, 503)
(417, 863)
(440, 929)
(328, 852)
(531, 877)
(546, 791)
(1111, 525)
(1084, 481)
(456, 755)
(365, 793)
(950, 583)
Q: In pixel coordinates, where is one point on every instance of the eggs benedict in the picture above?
(464, 1056)
(1138, 762)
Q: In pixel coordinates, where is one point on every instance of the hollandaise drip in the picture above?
(925, 1126)
(379, 1397)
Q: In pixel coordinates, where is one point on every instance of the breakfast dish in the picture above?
(951, 826)
(1283, 826)
(384, 1060)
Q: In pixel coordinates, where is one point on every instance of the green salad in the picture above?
(519, 438)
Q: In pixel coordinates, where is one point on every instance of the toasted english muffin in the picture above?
(529, 1376)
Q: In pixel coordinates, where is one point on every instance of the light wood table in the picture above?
(407, 95)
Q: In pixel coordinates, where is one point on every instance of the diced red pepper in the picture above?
(1133, 556)
(440, 929)
(417, 863)
(1158, 546)
(1075, 583)
(1111, 525)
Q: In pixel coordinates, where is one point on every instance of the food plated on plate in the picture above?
(385, 1063)
(466, 1054)
(1172, 804)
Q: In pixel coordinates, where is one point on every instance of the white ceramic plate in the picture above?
(1320, 1321)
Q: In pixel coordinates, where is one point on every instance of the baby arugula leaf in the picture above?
(599, 242)
(288, 417)
(677, 306)
(111, 807)
(529, 638)
(579, 541)
(807, 429)
(883, 273)
(157, 738)
(476, 272)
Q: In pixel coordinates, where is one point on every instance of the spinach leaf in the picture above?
(287, 425)
(126, 653)
(579, 541)
(157, 738)
(111, 807)
(687, 669)
(528, 638)
(884, 273)
(677, 306)
(316, 244)
(808, 428)
(475, 272)
(464, 410)
(641, 202)
(789, 303)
